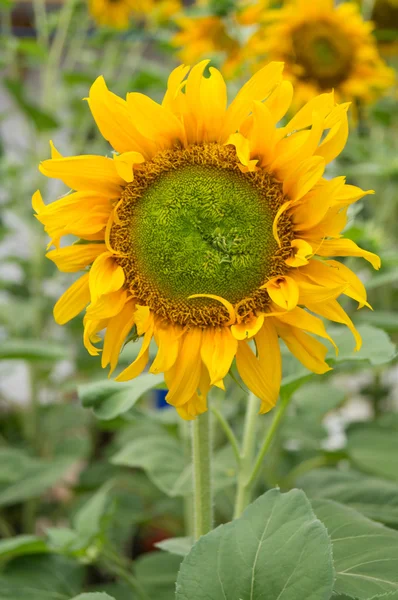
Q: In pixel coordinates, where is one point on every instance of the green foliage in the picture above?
(365, 554)
(95, 480)
(109, 399)
(277, 545)
(374, 497)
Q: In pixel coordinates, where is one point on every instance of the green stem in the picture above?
(188, 498)
(39, 9)
(201, 460)
(243, 491)
(117, 565)
(228, 432)
(54, 58)
(269, 438)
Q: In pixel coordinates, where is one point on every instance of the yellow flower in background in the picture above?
(324, 47)
(209, 230)
(118, 13)
(201, 36)
(157, 10)
(385, 19)
(111, 13)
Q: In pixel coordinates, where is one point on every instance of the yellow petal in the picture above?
(155, 121)
(174, 85)
(331, 309)
(314, 206)
(270, 359)
(336, 139)
(304, 177)
(85, 173)
(91, 328)
(73, 301)
(259, 88)
(75, 258)
(107, 305)
(198, 403)
(125, 162)
(331, 271)
(141, 361)
(350, 194)
(247, 328)
(257, 375)
(308, 350)
(116, 122)
(345, 247)
(321, 104)
(301, 319)
(218, 350)
(168, 339)
(117, 330)
(37, 202)
(302, 251)
(106, 276)
(143, 318)
(242, 147)
(213, 93)
(280, 100)
(262, 138)
(283, 291)
(187, 369)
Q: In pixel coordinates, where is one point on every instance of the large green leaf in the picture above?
(376, 498)
(109, 399)
(365, 553)
(377, 348)
(89, 521)
(159, 454)
(93, 596)
(37, 478)
(33, 350)
(41, 577)
(21, 545)
(278, 548)
(178, 545)
(374, 450)
(157, 572)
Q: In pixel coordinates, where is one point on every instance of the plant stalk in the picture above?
(243, 492)
(201, 461)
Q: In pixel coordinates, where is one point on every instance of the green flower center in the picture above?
(192, 223)
(324, 53)
(203, 230)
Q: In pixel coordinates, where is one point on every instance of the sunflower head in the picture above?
(324, 47)
(206, 35)
(119, 13)
(210, 230)
(111, 13)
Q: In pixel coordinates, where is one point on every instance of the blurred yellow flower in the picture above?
(201, 36)
(111, 13)
(209, 230)
(324, 47)
(118, 13)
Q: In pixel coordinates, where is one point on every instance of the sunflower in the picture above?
(209, 230)
(385, 19)
(200, 36)
(111, 13)
(118, 13)
(324, 47)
